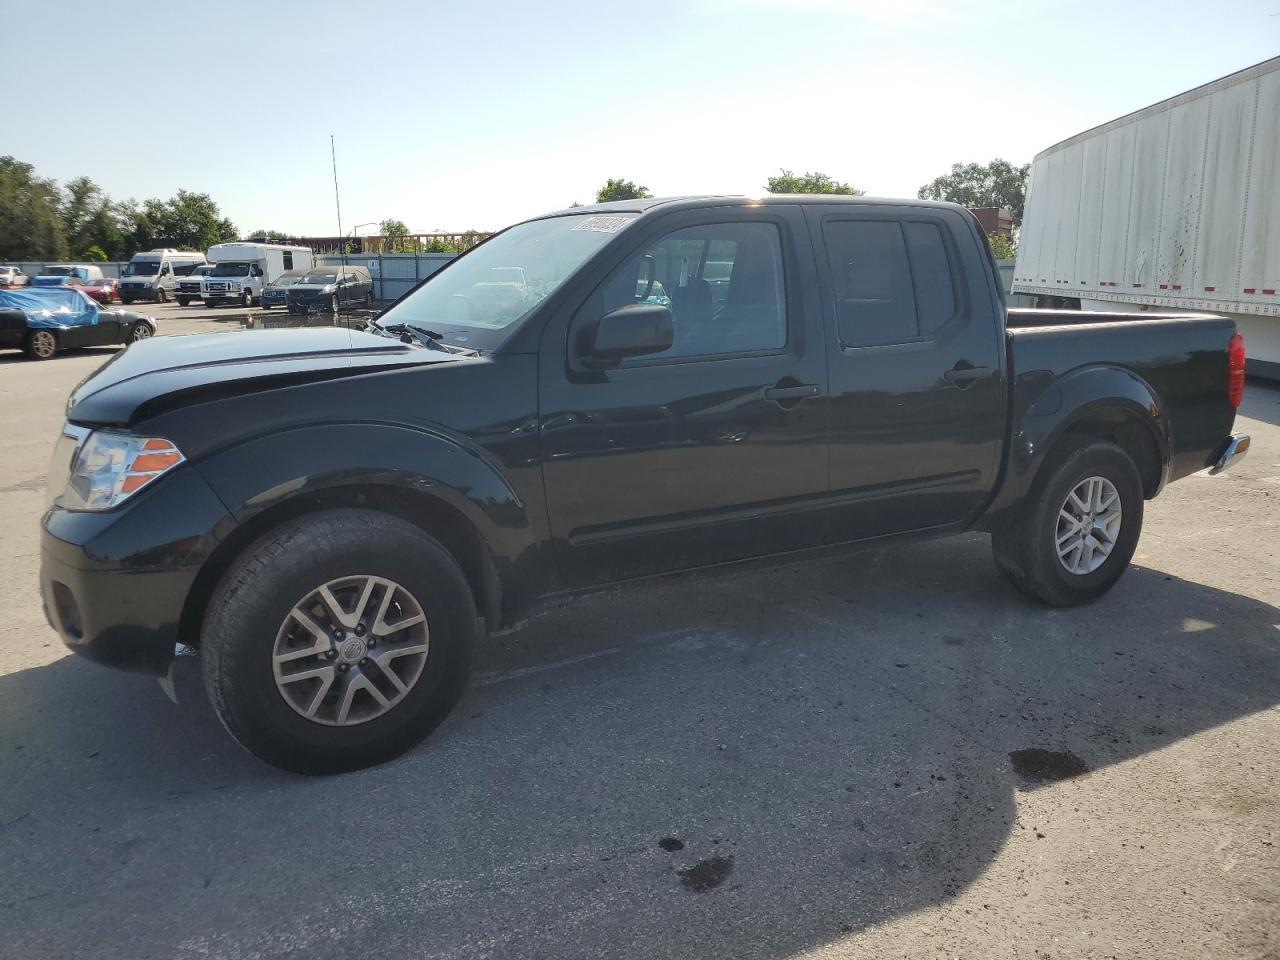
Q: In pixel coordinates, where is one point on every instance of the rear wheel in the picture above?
(40, 344)
(1078, 529)
(337, 641)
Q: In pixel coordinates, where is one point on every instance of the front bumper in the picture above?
(115, 583)
(1232, 450)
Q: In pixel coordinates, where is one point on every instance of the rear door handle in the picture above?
(800, 391)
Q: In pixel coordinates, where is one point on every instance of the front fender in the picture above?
(1045, 409)
(264, 472)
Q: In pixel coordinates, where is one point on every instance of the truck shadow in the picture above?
(744, 767)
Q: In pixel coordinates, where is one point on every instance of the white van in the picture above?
(241, 271)
(154, 275)
(87, 272)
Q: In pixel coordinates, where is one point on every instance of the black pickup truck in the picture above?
(329, 516)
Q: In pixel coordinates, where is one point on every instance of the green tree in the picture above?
(1003, 247)
(788, 182)
(96, 253)
(188, 220)
(30, 225)
(621, 190)
(995, 184)
(397, 233)
(269, 236)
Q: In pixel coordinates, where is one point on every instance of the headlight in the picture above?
(111, 467)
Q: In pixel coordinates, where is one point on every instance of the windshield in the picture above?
(230, 270)
(202, 270)
(56, 272)
(320, 278)
(500, 281)
(285, 281)
(141, 268)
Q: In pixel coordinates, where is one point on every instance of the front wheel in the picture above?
(246, 299)
(140, 331)
(337, 641)
(162, 295)
(183, 301)
(1078, 529)
(333, 304)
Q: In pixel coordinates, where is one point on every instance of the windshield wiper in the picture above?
(428, 338)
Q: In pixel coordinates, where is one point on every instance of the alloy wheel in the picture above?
(1088, 525)
(350, 650)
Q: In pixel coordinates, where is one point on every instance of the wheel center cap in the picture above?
(352, 649)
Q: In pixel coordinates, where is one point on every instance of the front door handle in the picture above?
(963, 375)
(799, 391)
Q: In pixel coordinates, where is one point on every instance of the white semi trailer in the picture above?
(1175, 207)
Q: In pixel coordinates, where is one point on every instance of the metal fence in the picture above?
(394, 274)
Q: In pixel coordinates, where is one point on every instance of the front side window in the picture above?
(722, 282)
(893, 281)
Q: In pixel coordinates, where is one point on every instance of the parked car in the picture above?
(103, 289)
(13, 277)
(43, 320)
(332, 289)
(58, 280)
(189, 287)
(275, 293)
(324, 514)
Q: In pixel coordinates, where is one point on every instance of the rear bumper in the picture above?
(1232, 450)
(114, 584)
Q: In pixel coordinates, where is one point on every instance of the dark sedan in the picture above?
(276, 292)
(332, 289)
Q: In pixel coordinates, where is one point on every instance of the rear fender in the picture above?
(1108, 400)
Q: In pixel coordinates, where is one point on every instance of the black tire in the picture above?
(256, 596)
(264, 304)
(1025, 549)
(40, 344)
(162, 295)
(140, 331)
(246, 298)
(212, 302)
(183, 301)
(126, 300)
(333, 304)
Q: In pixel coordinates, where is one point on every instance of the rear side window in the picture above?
(893, 281)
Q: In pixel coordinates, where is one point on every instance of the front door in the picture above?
(917, 384)
(714, 449)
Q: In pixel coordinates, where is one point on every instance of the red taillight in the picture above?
(1235, 370)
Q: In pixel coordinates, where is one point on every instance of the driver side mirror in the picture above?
(634, 330)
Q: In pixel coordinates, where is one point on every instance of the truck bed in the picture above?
(1181, 357)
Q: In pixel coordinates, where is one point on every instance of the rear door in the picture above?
(715, 449)
(916, 366)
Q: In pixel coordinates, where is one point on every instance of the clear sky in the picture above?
(457, 115)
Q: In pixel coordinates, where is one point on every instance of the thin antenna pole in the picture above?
(342, 241)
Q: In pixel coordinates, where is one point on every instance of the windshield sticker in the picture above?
(603, 224)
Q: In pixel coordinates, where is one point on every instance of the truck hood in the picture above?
(165, 373)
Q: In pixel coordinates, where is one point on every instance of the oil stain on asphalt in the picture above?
(1047, 766)
(706, 874)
